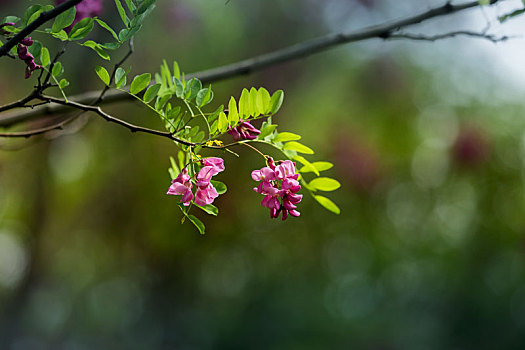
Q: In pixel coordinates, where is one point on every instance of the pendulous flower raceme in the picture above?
(279, 186)
(26, 56)
(206, 192)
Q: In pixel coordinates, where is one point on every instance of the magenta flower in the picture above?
(205, 195)
(244, 131)
(216, 163)
(85, 8)
(182, 185)
(26, 56)
(279, 186)
(206, 192)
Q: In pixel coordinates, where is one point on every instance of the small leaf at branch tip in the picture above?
(328, 204)
(276, 101)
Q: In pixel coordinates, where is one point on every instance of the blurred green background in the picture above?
(428, 252)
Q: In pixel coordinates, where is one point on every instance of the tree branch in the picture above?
(43, 18)
(421, 37)
(110, 118)
(382, 31)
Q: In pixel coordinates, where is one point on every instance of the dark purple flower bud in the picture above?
(27, 41)
(27, 57)
(244, 131)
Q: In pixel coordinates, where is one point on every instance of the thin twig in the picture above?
(421, 37)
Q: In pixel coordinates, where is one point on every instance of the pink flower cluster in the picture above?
(26, 56)
(205, 193)
(279, 186)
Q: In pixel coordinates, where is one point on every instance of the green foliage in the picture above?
(200, 226)
(286, 136)
(298, 147)
(327, 204)
(97, 48)
(65, 19)
(324, 184)
(81, 29)
(139, 83)
(44, 57)
(210, 209)
(151, 93)
(102, 74)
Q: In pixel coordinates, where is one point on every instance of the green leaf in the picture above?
(233, 115)
(254, 112)
(31, 10)
(102, 74)
(97, 48)
(131, 6)
(151, 93)
(161, 101)
(179, 88)
(63, 83)
(215, 114)
(35, 49)
(209, 208)
(176, 70)
(324, 184)
(63, 20)
(319, 166)
(263, 100)
(200, 226)
(139, 83)
(214, 126)
(223, 122)
(44, 57)
(219, 186)
(174, 113)
(108, 28)
(81, 29)
(484, 2)
(192, 89)
(62, 35)
(244, 104)
(204, 96)
(267, 130)
(298, 147)
(34, 16)
(122, 12)
(144, 6)
(57, 69)
(286, 136)
(328, 204)
(126, 34)
(120, 77)
(276, 101)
